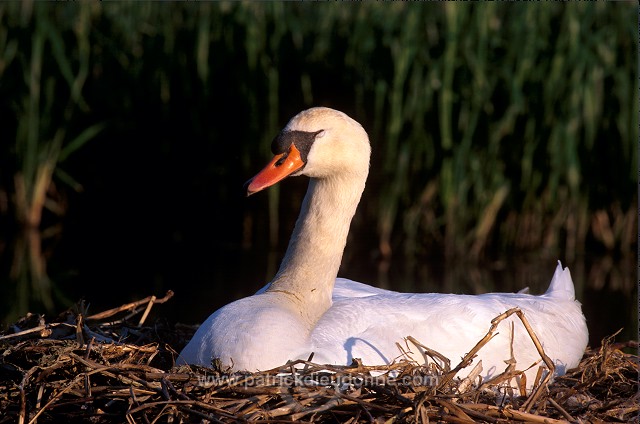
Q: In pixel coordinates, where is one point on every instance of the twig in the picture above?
(468, 380)
(291, 405)
(332, 403)
(466, 360)
(455, 409)
(129, 306)
(79, 337)
(108, 370)
(39, 397)
(45, 330)
(182, 402)
(561, 409)
(470, 409)
(97, 336)
(130, 390)
(548, 362)
(55, 397)
(161, 413)
(201, 415)
(532, 418)
(87, 379)
(432, 353)
(161, 375)
(146, 311)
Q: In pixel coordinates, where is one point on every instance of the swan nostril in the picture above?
(282, 158)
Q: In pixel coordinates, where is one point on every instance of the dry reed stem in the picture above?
(468, 358)
(55, 379)
(41, 328)
(426, 351)
(150, 300)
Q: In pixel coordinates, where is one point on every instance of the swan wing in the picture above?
(372, 327)
(345, 288)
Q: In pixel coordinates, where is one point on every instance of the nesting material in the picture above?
(80, 368)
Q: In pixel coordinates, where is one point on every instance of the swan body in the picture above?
(306, 309)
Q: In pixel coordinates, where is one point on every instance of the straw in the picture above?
(47, 376)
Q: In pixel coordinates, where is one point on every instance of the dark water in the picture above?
(205, 278)
(605, 287)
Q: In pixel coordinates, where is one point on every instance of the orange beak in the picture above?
(280, 167)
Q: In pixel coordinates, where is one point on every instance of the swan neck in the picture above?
(312, 260)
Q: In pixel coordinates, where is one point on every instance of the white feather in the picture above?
(306, 309)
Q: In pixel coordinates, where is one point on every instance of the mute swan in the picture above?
(301, 311)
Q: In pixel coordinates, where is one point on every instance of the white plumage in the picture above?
(306, 309)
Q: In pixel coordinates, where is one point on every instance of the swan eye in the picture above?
(302, 140)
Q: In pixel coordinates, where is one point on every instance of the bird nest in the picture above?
(80, 368)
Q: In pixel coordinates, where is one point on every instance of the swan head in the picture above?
(320, 143)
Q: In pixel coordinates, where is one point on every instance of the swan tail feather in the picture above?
(561, 285)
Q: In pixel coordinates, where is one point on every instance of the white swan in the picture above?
(301, 311)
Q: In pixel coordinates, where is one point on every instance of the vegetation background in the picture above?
(504, 137)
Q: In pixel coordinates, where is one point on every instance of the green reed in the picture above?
(41, 138)
(491, 125)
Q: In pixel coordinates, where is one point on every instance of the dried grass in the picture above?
(87, 369)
